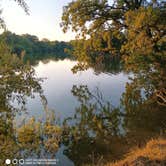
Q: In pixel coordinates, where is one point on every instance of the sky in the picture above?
(43, 21)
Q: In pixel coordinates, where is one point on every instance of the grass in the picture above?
(153, 154)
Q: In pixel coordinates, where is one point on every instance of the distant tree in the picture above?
(34, 48)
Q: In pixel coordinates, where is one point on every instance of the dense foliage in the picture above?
(33, 47)
(114, 29)
(18, 82)
(133, 30)
(26, 138)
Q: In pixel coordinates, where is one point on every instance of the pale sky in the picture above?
(43, 21)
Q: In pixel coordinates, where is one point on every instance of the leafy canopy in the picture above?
(133, 30)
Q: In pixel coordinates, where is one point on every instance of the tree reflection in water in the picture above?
(17, 82)
(99, 133)
(88, 131)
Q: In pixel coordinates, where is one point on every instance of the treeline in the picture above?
(133, 31)
(33, 47)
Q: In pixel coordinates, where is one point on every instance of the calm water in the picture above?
(58, 83)
(93, 116)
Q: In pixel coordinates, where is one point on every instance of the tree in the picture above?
(135, 30)
(89, 16)
(34, 49)
(145, 48)
(104, 24)
(17, 80)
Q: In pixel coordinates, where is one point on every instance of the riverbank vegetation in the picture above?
(124, 33)
(27, 137)
(153, 154)
(134, 32)
(33, 48)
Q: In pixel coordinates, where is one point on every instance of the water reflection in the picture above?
(101, 133)
(17, 82)
(107, 65)
(94, 123)
(33, 139)
(60, 80)
(100, 124)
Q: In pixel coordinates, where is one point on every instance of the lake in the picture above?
(58, 80)
(102, 113)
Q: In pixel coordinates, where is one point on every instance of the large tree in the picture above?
(106, 25)
(135, 30)
(89, 16)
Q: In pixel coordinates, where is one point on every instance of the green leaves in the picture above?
(33, 48)
(123, 28)
(17, 80)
